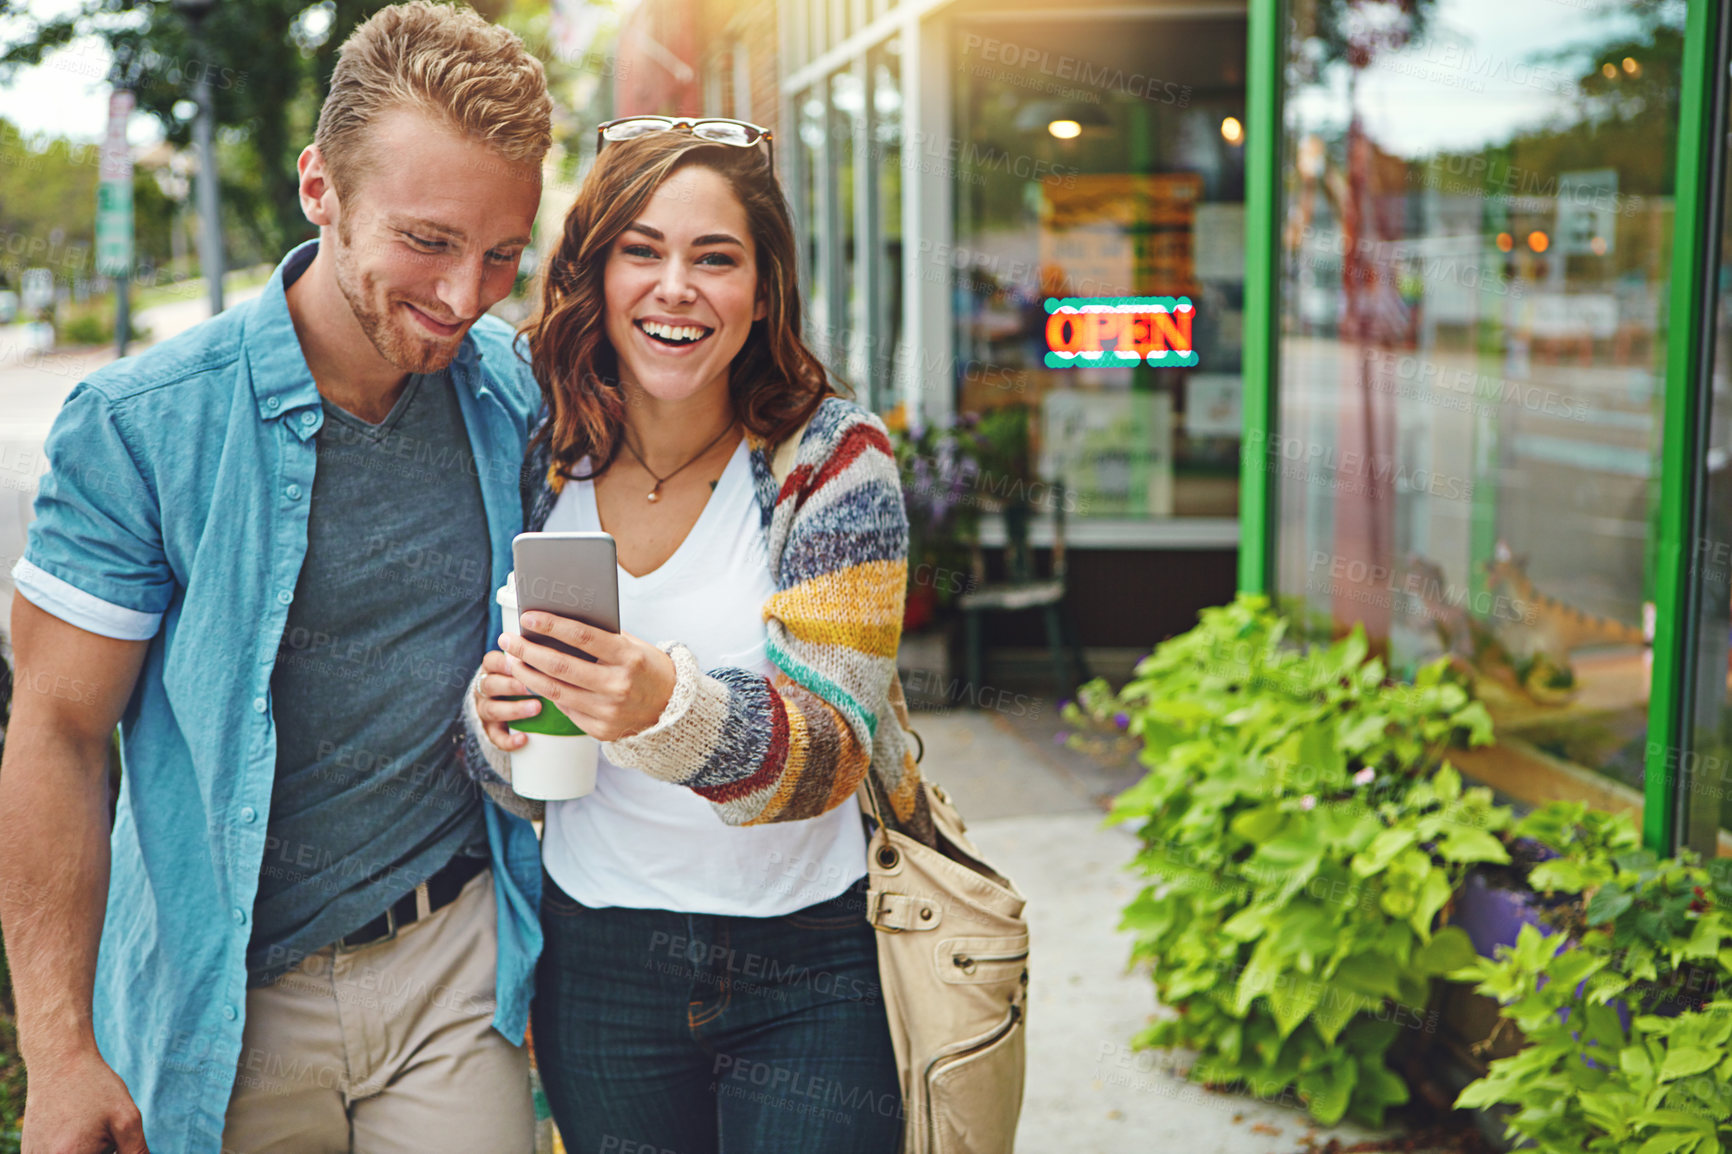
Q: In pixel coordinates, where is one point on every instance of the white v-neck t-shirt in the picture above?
(648, 844)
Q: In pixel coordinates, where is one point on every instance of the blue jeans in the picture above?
(668, 1033)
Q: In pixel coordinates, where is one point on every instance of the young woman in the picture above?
(709, 980)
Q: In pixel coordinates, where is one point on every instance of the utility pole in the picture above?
(114, 207)
(210, 247)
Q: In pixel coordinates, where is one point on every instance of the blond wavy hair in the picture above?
(443, 61)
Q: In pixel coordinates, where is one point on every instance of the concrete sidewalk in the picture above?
(1035, 810)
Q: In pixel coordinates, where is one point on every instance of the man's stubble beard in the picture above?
(400, 349)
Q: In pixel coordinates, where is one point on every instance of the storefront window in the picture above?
(1707, 769)
(1475, 251)
(814, 159)
(1099, 256)
(847, 134)
(886, 351)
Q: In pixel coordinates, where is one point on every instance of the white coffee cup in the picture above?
(547, 766)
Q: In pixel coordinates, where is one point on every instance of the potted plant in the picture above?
(1302, 832)
(1306, 843)
(1620, 996)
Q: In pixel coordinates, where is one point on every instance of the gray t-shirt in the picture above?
(388, 623)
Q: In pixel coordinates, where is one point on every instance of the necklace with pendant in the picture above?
(655, 494)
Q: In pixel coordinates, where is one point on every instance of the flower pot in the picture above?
(1493, 914)
(1492, 910)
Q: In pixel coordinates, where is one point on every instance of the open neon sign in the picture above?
(1119, 331)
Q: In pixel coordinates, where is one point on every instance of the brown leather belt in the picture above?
(436, 892)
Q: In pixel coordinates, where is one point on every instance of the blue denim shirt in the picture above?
(175, 510)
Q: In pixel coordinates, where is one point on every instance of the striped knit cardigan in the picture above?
(799, 743)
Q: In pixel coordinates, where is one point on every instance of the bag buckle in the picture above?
(903, 911)
(875, 907)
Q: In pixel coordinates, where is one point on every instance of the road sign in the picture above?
(114, 193)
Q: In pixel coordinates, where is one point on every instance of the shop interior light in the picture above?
(1505, 242)
(1065, 119)
(1598, 244)
(1232, 131)
(1631, 67)
(1609, 70)
(1539, 241)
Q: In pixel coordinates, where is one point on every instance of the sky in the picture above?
(67, 95)
(1485, 71)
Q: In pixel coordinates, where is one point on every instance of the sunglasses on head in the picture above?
(715, 129)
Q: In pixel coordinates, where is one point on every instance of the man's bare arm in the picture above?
(69, 690)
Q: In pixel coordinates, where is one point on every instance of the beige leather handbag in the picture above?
(953, 965)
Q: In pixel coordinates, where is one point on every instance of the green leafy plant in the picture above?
(1621, 999)
(1301, 833)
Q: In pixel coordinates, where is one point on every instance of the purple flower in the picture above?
(1061, 737)
(1122, 720)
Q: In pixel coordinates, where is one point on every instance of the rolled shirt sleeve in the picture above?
(95, 556)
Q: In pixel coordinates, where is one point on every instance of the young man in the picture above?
(267, 550)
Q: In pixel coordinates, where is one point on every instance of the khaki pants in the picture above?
(387, 1048)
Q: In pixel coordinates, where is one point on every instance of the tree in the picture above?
(38, 179)
(269, 64)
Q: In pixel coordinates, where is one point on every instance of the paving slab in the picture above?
(1088, 1091)
(1037, 814)
(989, 771)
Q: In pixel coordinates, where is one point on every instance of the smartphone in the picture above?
(573, 575)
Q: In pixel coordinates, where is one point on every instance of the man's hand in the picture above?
(80, 1106)
(499, 698)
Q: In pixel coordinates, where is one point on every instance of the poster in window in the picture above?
(1114, 450)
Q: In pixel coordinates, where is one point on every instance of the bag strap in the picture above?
(782, 461)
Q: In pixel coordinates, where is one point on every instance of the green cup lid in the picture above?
(549, 721)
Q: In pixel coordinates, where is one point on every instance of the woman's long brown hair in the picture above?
(775, 381)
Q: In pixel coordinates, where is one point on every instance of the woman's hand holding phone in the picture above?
(622, 692)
